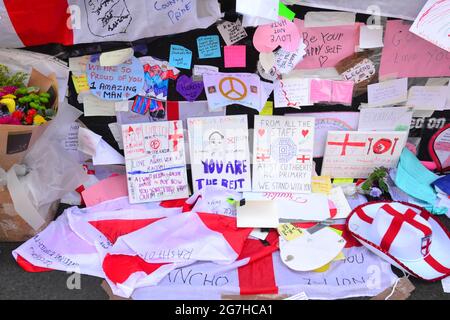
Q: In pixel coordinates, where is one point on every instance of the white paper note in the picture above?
(267, 9)
(385, 119)
(328, 18)
(432, 23)
(370, 37)
(231, 32)
(427, 97)
(88, 141)
(106, 155)
(94, 106)
(257, 214)
(292, 92)
(387, 92)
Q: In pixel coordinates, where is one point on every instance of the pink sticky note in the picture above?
(110, 188)
(235, 56)
(326, 46)
(320, 90)
(407, 55)
(283, 33)
(342, 92)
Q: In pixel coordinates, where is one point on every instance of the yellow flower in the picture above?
(9, 102)
(38, 120)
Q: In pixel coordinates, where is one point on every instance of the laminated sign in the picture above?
(155, 161)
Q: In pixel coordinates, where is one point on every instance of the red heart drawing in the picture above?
(305, 133)
(261, 132)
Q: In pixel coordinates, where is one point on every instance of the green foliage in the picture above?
(376, 178)
(16, 79)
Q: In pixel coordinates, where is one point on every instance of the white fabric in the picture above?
(180, 239)
(361, 274)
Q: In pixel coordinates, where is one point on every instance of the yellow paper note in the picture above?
(80, 82)
(288, 231)
(267, 110)
(321, 184)
(342, 180)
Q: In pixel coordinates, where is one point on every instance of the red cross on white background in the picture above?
(346, 143)
(303, 158)
(175, 136)
(262, 157)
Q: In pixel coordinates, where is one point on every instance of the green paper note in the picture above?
(284, 11)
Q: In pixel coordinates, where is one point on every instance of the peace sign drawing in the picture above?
(233, 88)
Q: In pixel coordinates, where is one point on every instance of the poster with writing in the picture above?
(155, 161)
(432, 23)
(354, 154)
(120, 82)
(407, 55)
(219, 152)
(282, 154)
(326, 46)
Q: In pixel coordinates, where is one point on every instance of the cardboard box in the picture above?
(12, 227)
(15, 140)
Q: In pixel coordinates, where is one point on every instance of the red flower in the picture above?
(18, 115)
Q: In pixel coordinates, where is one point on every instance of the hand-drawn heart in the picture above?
(261, 131)
(305, 133)
(282, 33)
(322, 60)
(438, 148)
(188, 88)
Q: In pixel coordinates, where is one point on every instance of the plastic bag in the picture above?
(51, 170)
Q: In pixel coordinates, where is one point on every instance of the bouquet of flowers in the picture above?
(22, 105)
(375, 186)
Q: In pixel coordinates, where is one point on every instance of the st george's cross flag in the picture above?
(69, 22)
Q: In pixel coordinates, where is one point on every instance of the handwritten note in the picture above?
(321, 184)
(80, 83)
(199, 70)
(107, 18)
(385, 119)
(292, 92)
(326, 46)
(235, 56)
(427, 97)
(282, 154)
(120, 82)
(387, 92)
(180, 57)
(208, 47)
(188, 88)
(231, 32)
(155, 161)
(407, 55)
(354, 154)
(360, 72)
(282, 33)
(431, 23)
(219, 152)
